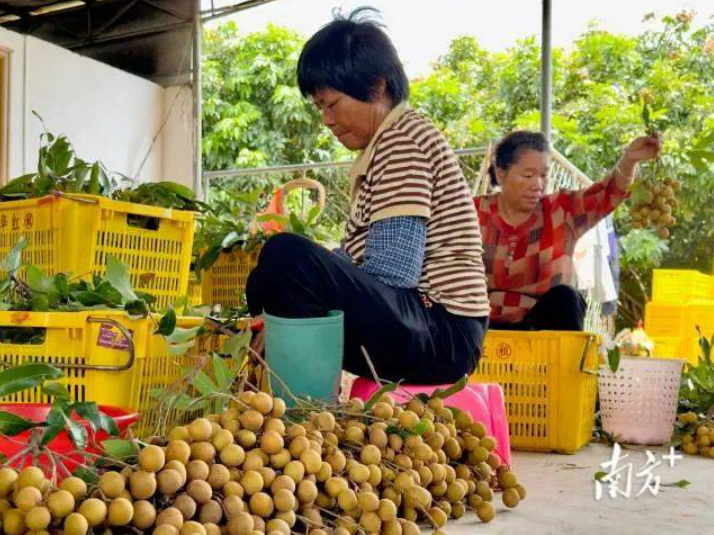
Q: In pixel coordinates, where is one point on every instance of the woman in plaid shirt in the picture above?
(529, 237)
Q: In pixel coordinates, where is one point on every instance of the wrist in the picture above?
(626, 167)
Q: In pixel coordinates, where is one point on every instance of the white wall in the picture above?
(178, 135)
(107, 114)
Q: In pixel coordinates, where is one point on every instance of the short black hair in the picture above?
(353, 55)
(512, 146)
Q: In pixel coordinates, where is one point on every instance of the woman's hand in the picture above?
(643, 148)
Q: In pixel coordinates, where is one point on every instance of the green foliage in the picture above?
(696, 393)
(41, 293)
(59, 418)
(254, 114)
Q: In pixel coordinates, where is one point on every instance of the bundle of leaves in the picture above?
(696, 393)
(60, 170)
(40, 293)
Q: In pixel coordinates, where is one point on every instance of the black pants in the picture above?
(561, 308)
(405, 339)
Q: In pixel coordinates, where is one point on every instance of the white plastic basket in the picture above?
(638, 403)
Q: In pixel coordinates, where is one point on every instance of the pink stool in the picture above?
(484, 401)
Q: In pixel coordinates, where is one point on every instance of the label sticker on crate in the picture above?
(112, 338)
(504, 351)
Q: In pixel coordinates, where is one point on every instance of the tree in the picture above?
(254, 114)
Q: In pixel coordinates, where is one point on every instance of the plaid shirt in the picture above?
(524, 262)
(394, 252)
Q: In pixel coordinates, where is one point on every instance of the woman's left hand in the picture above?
(644, 148)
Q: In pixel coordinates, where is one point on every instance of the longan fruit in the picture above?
(295, 470)
(277, 525)
(203, 451)
(143, 485)
(311, 460)
(486, 511)
(510, 497)
(165, 529)
(211, 512)
(27, 498)
(37, 518)
(306, 491)
(172, 516)
(75, 486)
(112, 484)
(252, 482)
(326, 421)
(261, 504)
(197, 470)
(262, 402)
(178, 450)
(370, 454)
(437, 517)
(359, 473)
(252, 420)
(278, 408)
(120, 512)
(192, 528)
(284, 500)
(212, 529)
(241, 524)
(144, 515)
(74, 524)
(8, 478)
(169, 482)
(232, 455)
(200, 491)
(271, 442)
(280, 459)
(222, 439)
(31, 476)
(94, 510)
(186, 505)
(60, 503)
(218, 476)
(151, 459)
(200, 429)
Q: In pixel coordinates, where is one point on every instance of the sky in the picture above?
(422, 29)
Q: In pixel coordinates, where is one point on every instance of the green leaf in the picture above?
(223, 375)
(26, 376)
(77, 432)
(12, 424)
(119, 448)
(420, 428)
(203, 384)
(13, 261)
(97, 420)
(682, 483)
(118, 276)
(94, 187)
(297, 226)
(90, 477)
(137, 307)
(374, 398)
(181, 335)
(38, 282)
(458, 386)
(613, 359)
(167, 323)
(56, 390)
(236, 344)
(56, 422)
(600, 475)
(394, 430)
(180, 349)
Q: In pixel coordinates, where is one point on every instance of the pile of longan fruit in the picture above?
(656, 208)
(697, 435)
(252, 471)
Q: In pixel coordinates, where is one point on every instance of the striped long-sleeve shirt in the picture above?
(409, 169)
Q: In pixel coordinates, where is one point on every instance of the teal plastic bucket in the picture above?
(306, 353)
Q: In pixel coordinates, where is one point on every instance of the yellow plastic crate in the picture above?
(665, 320)
(549, 382)
(92, 350)
(195, 291)
(683, 348)
(74, 234)
(224, 283)
(678, 286)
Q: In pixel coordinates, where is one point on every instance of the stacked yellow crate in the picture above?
(682, 300)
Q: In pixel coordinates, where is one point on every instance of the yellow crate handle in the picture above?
(106, 367)
(307, 183)
(590, 340)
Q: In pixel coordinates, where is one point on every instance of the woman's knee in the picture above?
(282, 250)
(566, 293)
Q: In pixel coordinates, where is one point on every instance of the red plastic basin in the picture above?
(61, 444)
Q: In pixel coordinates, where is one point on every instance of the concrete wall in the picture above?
(107, 114)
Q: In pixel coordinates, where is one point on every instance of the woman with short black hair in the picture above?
(409, 277)
(529, 236)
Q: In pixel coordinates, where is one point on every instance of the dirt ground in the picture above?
(561, 497)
